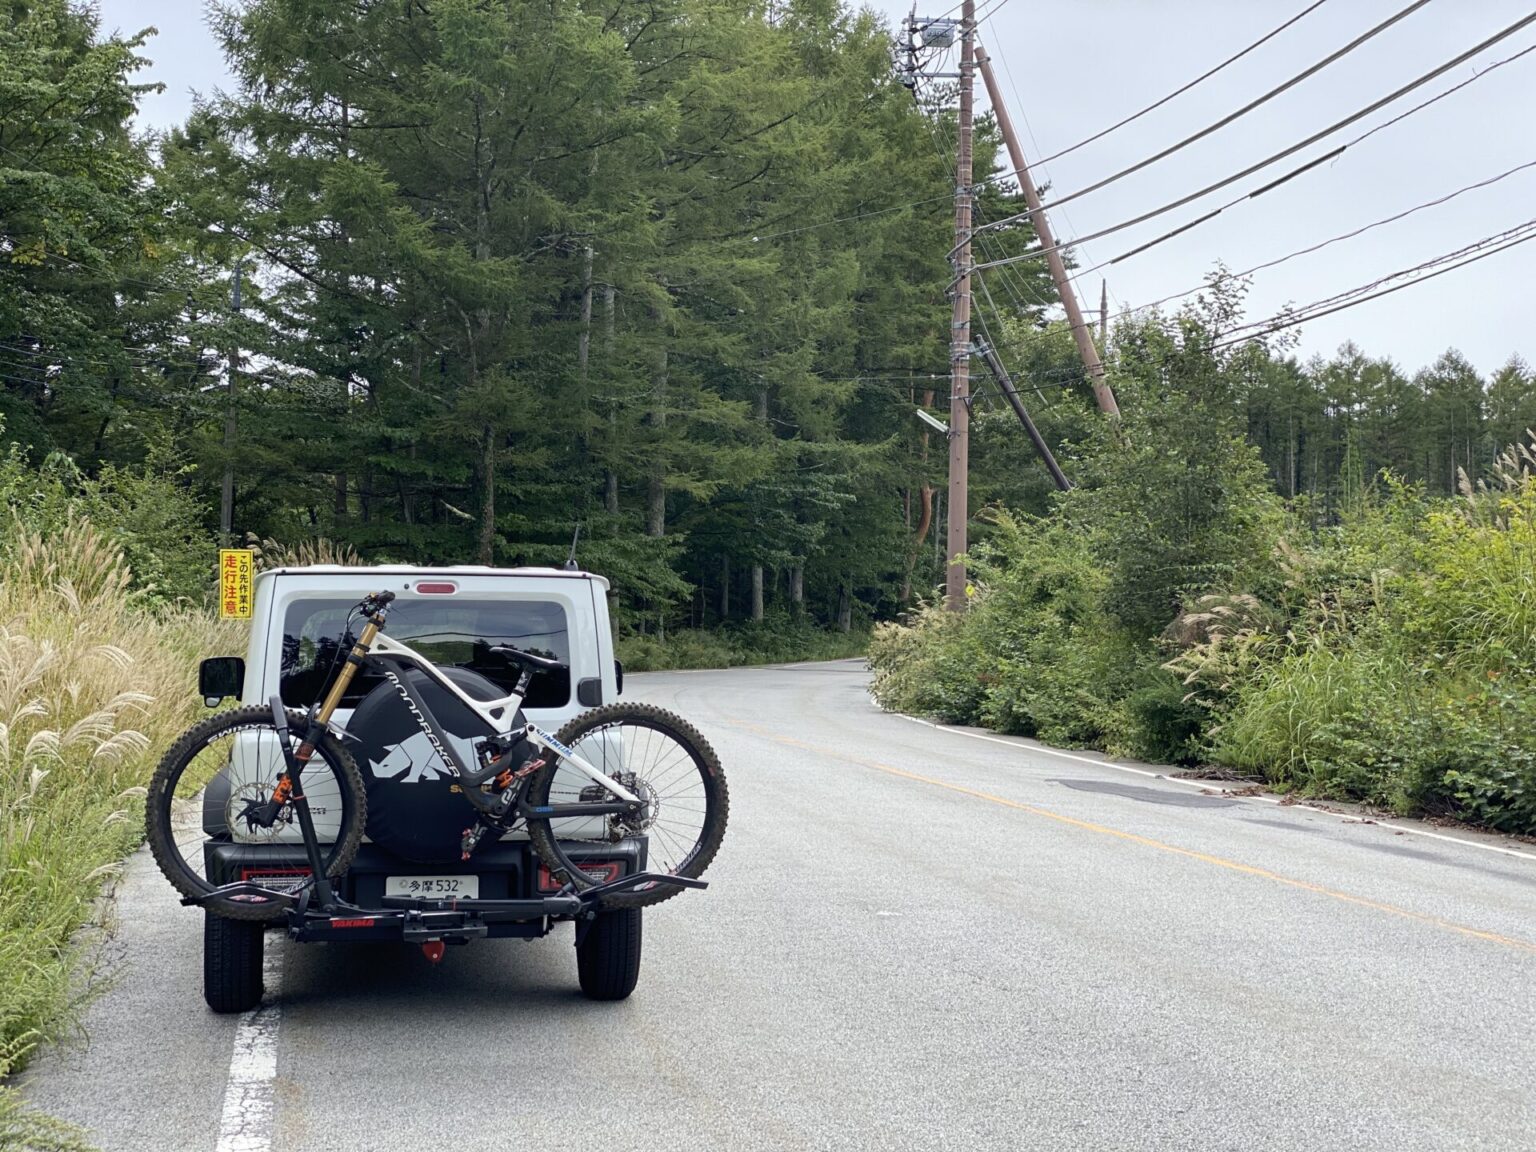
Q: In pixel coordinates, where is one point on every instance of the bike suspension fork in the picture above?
(295, 761)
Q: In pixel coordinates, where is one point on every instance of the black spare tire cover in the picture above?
(415, 807)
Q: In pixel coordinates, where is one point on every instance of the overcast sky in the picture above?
(1072, 67)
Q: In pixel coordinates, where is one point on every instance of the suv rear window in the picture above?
(447, 632)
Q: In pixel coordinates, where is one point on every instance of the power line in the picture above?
(1180, 91)
(1015, 287)
(1522, 234)
(1028, 127)
(1413, 270)
(1273, 184)
(1226, 276)
(1401, 14)
(1251, 169)
(948, 198)
(1019, 291)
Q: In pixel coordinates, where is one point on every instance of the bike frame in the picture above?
(499, 717)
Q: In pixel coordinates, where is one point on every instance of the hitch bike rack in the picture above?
(430, 923)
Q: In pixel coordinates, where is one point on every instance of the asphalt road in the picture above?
(913, 939)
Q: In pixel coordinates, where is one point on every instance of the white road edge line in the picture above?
(1207, 785)
(246, 1123)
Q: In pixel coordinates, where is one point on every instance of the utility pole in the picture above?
(227, 491)
(960, 329)
(1085, 347)
(1104, 312)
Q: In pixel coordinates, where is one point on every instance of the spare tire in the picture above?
(415, 807)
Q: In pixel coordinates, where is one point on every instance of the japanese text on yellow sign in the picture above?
(237, 569)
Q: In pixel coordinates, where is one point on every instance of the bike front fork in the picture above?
(324, 895)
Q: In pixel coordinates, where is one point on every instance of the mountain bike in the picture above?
(271, 775)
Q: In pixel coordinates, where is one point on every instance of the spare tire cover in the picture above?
(415, 807)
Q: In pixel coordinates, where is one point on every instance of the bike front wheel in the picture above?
(195, 813)
(659, 757)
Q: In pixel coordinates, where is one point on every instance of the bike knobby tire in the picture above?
(213, 769)
(673, 768)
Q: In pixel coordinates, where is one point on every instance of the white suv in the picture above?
(454, 616)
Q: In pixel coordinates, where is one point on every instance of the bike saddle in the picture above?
(526, 659)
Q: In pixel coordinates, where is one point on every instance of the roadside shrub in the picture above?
(1411, 686)
(1162, 723)
(682, 649)
(1169, 607)
(24, 1129)
(932, 665)
(1034, 654)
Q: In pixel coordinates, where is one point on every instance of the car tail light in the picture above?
(436, 588)
(600, 870)
(278, 879)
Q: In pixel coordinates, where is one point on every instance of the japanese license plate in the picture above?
(434, 887)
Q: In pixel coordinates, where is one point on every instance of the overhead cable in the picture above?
(1309, 165)
(1401, 14)
(1521, 235)
(1202, 78)
(1477, 246)
(1293, 149)
(1227, 276)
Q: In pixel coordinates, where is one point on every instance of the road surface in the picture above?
(914, 939)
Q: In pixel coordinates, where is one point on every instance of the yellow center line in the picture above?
(1148, 842)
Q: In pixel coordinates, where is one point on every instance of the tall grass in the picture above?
(94, 684)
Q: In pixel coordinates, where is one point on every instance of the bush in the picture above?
(24, 1129)
(689, 648)
(1035, 654)
(155, 520)
(931, 666)
(1163, 724)
(1171, 609)
(1410, 686)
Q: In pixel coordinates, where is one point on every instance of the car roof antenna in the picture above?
(570, 561)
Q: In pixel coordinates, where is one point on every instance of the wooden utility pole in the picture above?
(1104, 312)
(1085, 346)
(960, 329)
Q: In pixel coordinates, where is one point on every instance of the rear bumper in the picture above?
(508, 872)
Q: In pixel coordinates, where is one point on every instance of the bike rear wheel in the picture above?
(661, 758)
(212, 773)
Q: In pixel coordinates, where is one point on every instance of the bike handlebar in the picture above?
(375, 602)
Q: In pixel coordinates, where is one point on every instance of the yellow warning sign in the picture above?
(237, 572)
